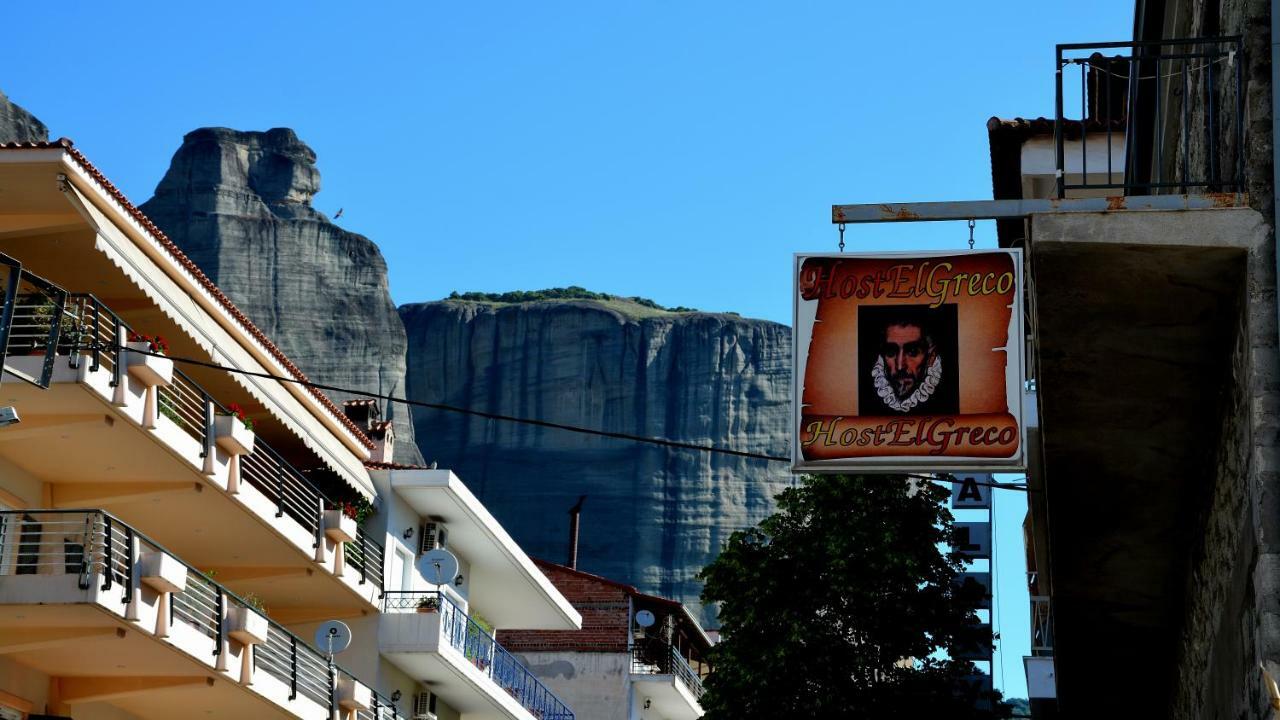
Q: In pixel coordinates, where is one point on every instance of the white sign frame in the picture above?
(803, 316)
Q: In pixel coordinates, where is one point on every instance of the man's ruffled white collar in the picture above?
(932, 377)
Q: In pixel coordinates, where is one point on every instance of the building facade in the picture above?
(1152, 527)
(173, 534)
(637, 656)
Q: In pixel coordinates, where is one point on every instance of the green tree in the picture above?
(838, 606)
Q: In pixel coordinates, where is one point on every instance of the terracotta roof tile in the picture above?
(197, 273)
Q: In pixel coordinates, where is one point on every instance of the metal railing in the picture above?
(475, 643)
(1172, 109)
(97, 547)
(90, 330)
(35, 320)
(1041, 626)
(664, 659)
(366, 555)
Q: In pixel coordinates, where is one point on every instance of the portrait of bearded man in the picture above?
(910, 364)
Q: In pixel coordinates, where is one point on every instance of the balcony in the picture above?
(1154, 117)
(661, 675)
(87, 599)
(429, 637)
(175, 441)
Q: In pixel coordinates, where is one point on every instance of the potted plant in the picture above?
(248, 623)
(41, 323)
(150, 370)
(429, 604)
(340, 526)
(234, 430)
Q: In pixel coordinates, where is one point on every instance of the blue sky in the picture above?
(677, 150)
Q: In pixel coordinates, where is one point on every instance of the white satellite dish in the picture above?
(333, 637)
(438, 566)
(644, 618)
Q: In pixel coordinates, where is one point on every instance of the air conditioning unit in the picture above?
(434, 535)
(424, 706)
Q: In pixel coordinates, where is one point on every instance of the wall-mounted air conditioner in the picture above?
(434, 535)
(424, 706)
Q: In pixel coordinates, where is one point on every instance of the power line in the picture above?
(664, 442)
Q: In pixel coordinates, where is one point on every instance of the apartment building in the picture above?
(173, 534)
(637, 657)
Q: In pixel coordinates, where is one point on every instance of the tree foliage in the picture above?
(838, 606)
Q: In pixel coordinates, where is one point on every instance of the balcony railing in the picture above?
(466, 636)
(1041, 626)
(1173, 109)
(92, 332)
(663, 659)
(98, 548)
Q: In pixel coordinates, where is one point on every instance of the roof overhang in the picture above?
(176, 291)
(508, 587)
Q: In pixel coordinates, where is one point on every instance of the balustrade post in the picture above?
(119, 395)
(134, 550)
(95, 340)
(293, 667)
(221, 647)
(321, 551)
(207, 452)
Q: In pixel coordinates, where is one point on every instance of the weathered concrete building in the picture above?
(1153, 530)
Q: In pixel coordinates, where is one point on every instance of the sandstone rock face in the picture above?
(654, 516)
(18, 125)
(239, 204)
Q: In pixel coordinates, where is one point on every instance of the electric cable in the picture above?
(664, 442)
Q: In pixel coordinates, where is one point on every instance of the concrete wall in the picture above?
(594, 684)
(1231, 587)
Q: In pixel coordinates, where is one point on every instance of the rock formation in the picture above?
(239, 204)
(18, 125)
(654, 516)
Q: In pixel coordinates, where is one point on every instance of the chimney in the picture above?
(575, 513)
(364, 413)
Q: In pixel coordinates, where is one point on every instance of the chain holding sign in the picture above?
(908, 362)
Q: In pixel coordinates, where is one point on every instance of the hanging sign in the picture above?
(971, 492)
(908, 362)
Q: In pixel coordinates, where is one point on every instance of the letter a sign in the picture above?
(908, 362)
(971, 492)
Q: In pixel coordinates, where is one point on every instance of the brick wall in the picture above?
(605, 610)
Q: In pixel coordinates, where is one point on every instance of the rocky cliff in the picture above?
(18, 125)
(654, 516)
(239, 204)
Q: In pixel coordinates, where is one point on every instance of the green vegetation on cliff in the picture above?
(573, 292)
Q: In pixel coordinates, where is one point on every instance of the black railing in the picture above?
(90, 330)
(1161, 116)
(664, 659)
(366, 556)
(475, 643)
(93, 543)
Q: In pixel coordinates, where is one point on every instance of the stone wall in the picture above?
(1233, 590)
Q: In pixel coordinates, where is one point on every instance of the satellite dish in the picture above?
(333, 637)
(438, 566)
(644, 618)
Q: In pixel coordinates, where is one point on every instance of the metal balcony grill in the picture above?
(1172, 109)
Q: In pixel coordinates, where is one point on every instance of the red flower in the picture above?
(156, 344)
